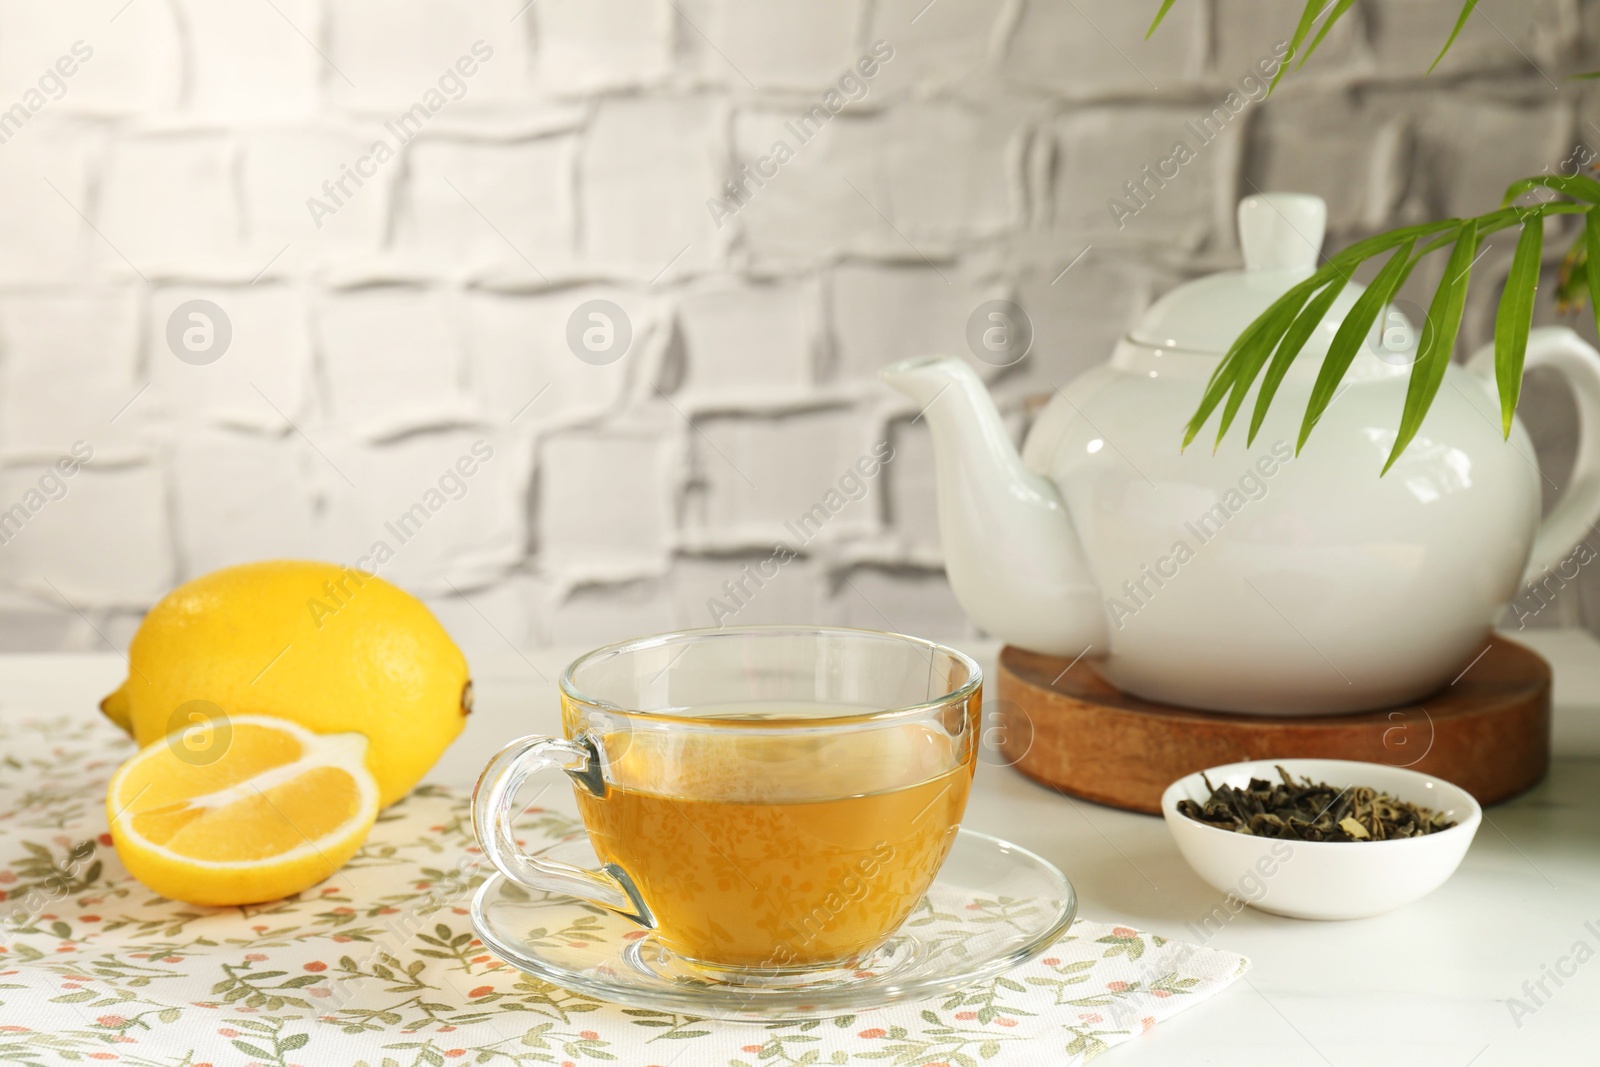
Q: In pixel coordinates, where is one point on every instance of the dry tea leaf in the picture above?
(1312, 811)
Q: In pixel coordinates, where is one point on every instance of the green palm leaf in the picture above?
(1461, 20)
(1259, 339)
(1438, 338)
(1308, 18)
(1352, 333)
(1334, 16)
(1251, 360)
(1591, 244)
(1166, 5)
(1293, 341)
(1277, 336)
(1280, 332)
(1263, 334)
(1577, 186)
(1514, 318)
(1572, 281)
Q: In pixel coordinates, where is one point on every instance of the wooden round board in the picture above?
(1488, 732)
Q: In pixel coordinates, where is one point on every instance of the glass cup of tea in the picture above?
(765, 800)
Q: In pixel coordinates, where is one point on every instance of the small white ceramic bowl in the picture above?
(1324, 879)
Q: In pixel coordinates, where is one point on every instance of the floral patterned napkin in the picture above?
(379, 965)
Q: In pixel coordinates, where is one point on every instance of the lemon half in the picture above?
(274, 809)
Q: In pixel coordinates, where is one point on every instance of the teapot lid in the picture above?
(1281, 235)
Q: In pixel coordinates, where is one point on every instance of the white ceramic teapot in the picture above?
(1250, 579)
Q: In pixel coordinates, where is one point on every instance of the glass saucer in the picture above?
(993, 906)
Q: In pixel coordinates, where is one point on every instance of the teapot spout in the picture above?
(1011, 552)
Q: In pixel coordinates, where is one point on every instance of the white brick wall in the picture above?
(263, 382)
(646, 167)
(167, 205)
(247, 60)
(44, 182)
(71, 363)
(392, 360)
(567, 151)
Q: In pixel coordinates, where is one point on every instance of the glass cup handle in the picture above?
(494, 806)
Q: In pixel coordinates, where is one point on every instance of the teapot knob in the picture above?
(1282, 230)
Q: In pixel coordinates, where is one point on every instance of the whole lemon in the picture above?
(332, 648)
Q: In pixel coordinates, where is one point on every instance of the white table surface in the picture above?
(1427, 985)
